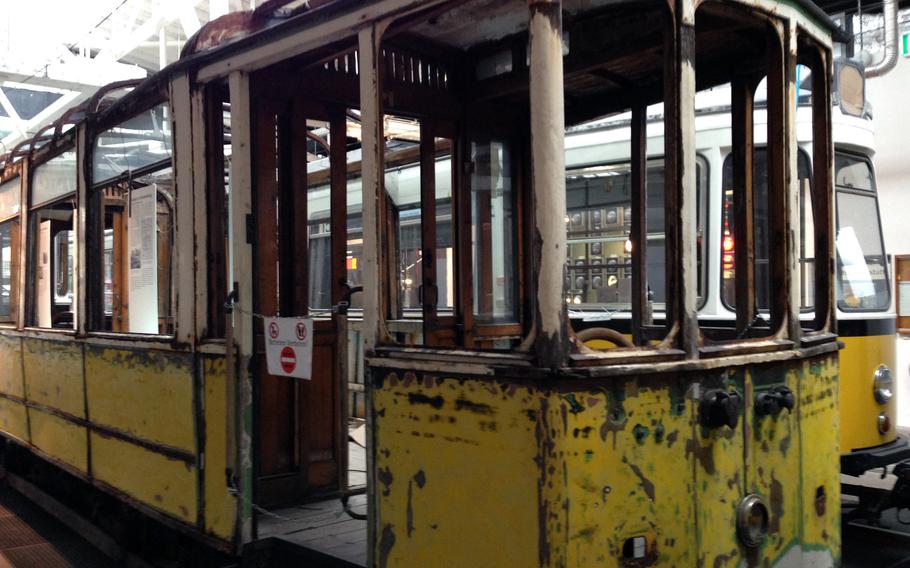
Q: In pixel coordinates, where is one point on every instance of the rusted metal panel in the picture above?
(146, 394)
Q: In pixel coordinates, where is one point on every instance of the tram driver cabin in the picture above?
(268, 167)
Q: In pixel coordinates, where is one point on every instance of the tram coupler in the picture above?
(900, 494)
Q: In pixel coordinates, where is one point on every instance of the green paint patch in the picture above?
(574, 406)
(641, 433)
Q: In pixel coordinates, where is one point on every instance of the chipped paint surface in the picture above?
(570, 472)
(53, 375)
(11, 373)
(13, 419)
(60, 439)
(220, 506)
(147, 394)
(164, 484)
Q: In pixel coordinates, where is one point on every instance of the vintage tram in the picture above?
(150, 230)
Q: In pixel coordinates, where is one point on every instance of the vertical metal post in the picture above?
(639, 230)
(185, 249)
(778, 183)
(791, 213)
(822, 191)
(548, 180)
(241, 210)
(742, 94)
(81, 255)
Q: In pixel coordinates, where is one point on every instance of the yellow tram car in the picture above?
(146, 235)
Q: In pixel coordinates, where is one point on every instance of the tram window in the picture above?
(319, 230)
(493, 233)
(599, 218)
(761, 224)
(52, 243)
(862, 276)
(9, 273)
(138, 255)
(403, 187)
(445, 235)
(52, 249)
(135, 144)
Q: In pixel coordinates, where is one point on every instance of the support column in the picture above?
(792, 220)
(81, 292)
(371, 168)
(242, 329)
(548, 181)
(742, 94)
(183, 295)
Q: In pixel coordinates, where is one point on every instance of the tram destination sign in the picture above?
(289, 347)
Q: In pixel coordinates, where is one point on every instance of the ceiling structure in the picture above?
(54, 54)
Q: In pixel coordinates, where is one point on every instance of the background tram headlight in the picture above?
(883, 384)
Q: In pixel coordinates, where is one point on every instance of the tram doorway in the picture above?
(300, 429)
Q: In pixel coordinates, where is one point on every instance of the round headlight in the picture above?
(884, 423)
(752, 521)
(883, 384)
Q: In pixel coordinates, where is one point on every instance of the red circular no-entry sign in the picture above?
(288, 360)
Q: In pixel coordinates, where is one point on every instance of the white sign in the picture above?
(44, 274)
(289, 347)
(142, 244)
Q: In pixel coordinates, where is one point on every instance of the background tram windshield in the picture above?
(862, 276)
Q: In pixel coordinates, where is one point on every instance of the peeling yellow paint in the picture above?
(11, 366)
(493, 472)
(220, 506)
(145, 393)
(164, 484)
(13, 419)
(53, 375)
(60, 439)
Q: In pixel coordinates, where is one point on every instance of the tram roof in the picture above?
(274, 20)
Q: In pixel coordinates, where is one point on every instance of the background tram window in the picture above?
(52, 243)
(138, 255)
(761, 224)
(493, 242)
(445, 234)
(862, 277)
(10, 198)
(598, 221)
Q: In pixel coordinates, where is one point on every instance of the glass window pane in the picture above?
(493, 233)
(861, 274)
(54, 178)
(143, 140)
(852, 173)
(138, 255)
(10, 198)
(445, 240)
(9, 251)
(53, 248)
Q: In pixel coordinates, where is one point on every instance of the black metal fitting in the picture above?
(718, 408)
(771, 402)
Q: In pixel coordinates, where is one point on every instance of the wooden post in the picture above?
(548, 180)
(639, 229)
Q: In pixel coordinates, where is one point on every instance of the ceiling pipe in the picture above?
(889, 59)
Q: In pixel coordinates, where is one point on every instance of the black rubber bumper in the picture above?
(858, 462)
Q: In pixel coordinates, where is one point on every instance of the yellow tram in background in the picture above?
(147, 233)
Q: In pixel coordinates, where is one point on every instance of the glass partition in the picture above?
(10, 198)
(132, 145)
(54, 178)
